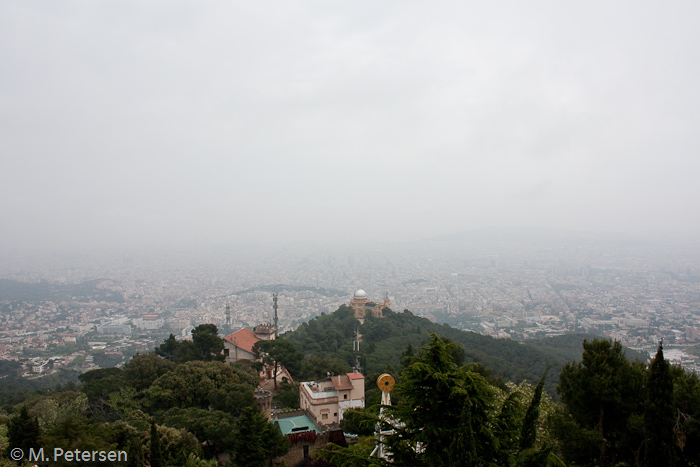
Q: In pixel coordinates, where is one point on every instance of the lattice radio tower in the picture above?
(356, 348)
(274, 300)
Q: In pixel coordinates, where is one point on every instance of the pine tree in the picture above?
(658, 413)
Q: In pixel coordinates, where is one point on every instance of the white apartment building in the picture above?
(329, 398)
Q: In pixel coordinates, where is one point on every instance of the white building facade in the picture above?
(329, 398)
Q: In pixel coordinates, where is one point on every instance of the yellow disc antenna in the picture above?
(385, 382)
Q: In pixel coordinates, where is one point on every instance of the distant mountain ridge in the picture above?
(539, 234)
(294, 288)
(11, 290)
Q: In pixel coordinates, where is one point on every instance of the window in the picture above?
(226, 352)
(324, 416)
(345, 396)
(335, 414)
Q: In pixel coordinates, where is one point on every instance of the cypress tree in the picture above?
(658, 413)
(249, 450)
(601, 393)
(23, 432)
(463, 448)
(156, 449)
(528, 434)
(135, 453)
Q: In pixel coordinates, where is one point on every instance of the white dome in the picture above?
(360, 294)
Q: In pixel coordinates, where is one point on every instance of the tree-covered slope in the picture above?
(12, 291)
(327, 343)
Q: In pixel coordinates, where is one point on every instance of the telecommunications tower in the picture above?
(274, 300)
(356, 348)
(228, 317)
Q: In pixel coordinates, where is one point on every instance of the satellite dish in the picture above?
(385, 382)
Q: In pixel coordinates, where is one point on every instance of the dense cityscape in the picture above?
(97, 309)
(349, 233)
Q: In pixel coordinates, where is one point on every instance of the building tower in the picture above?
(363, 305)
(385, 383)
(228, 318)
(274, 300)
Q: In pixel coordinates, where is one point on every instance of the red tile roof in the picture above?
(341, 383)
(355, 376)
(244, 339)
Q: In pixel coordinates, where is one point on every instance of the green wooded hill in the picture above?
(15, 291)
(179, 406)
(327, 342)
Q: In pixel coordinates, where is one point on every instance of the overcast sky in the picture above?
(184, 123)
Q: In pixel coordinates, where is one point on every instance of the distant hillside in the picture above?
(295, 288)
(15, 388)
(327, 340)
(536, 235)
(569, 347)
(45, 291)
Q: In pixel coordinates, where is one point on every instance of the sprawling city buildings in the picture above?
(98, 309)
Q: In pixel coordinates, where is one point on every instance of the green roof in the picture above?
(297, 424)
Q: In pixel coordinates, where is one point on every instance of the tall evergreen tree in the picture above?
(601, 393)
(407, 356)
(168, 349)
(156, 448)
(23, 431)
(208, 343)
(658, 413)
(507, 427)
(135, 452)
(528, 434)
(442, 408)
(462, 451)
(257, 441)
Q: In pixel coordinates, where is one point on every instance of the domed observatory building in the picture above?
(363, 305)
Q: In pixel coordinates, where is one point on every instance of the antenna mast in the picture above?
(274, 300)
(356, 348)
(228, 317)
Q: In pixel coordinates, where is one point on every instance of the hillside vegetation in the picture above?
(460, 399)
(613, 413)
(179, 406)
(327, 342)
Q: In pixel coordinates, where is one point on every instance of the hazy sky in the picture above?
(168, 122)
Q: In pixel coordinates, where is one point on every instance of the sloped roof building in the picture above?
(327, 399)
(239, 346)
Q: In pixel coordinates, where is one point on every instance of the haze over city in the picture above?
(229, 230)
(515, 170)
(187, 124)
